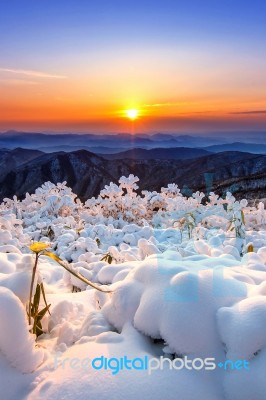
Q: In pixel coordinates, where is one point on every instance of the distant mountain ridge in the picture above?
(174, 153)
(255, 148)
(24, 139)
(87, 173)
(119, 142)
(11, 159)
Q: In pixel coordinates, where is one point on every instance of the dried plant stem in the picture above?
(82, 278)
(31, 285)
(44, 297)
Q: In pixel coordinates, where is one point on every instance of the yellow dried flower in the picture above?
(39, 246)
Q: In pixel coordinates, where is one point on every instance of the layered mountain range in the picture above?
(253, 142)
(242, 173)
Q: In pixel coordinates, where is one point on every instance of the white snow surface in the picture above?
(187, 279)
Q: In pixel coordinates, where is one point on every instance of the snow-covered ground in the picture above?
(187, 282)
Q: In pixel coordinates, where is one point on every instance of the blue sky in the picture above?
(78, 38)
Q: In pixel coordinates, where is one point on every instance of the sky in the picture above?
(186, 66)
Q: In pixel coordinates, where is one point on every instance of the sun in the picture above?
(132, 114)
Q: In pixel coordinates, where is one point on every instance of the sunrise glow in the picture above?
(132, 114)
(178, 65)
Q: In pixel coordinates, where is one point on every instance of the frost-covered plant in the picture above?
(171, 191)
(51, 201)
(11, 230)
(118, 202)
(155, 202)
(54, 214)
(188, 223)
(237, 220)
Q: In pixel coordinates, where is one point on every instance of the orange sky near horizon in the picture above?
(87, 103)
(196, 68)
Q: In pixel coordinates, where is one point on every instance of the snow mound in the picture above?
(176, 301)
(16, 343)
(243, 326)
